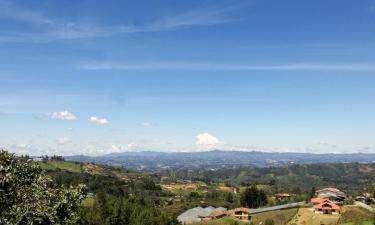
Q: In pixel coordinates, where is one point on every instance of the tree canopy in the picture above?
(28, 196)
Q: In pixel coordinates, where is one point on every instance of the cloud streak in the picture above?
(49, 30)
(224, 67)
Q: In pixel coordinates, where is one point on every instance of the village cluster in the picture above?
(328, 201)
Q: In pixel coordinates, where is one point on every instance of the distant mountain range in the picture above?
(212, 160)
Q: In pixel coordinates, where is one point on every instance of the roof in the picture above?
(318, 200)
(219, 214)
(194, 214)
(246, 210)
(282, 195)
(331, 189)
(327, 205)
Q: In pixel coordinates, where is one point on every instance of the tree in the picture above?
(252, 197)
(229, 197)
(269, 222)
(312, 192)
(28, 196)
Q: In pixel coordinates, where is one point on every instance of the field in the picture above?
(306, 216)
(52, 165)
(280, 217)
(224, 221)
(355, 215)
(352, 215)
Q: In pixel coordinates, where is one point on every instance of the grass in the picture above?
(224, 221)
(280, 217)
(307, 217)
(355, 215)
(361, 223)
(88, 202)
(63, 165)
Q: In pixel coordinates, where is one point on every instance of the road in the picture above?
(363, 205)
(278, 207)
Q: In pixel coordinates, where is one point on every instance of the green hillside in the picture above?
(52, 165)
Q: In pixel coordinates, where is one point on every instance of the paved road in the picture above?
(278, 207)
(363, 205)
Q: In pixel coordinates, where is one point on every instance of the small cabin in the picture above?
(242, 213)
(282, 196)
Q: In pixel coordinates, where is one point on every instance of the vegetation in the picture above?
(50, 192)
(252, 197)
(355, 215)
(352, 177)
(279, 217)
(28, 196)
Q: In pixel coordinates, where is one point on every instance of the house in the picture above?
(325, 206)
(282, 196)
(316, 201)
(364, 199)
(333, 194)
(219, 214)
(241, 213)
(198, 214)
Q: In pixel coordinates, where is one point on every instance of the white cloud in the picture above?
(206, 141)
(122, 148)
(98, 121)
(114, 148)
(146, 124)
(64, 115)
(63, 140)
(21, 148)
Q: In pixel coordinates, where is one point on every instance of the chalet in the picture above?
(325, 206)
(241, 213)
(282, 196)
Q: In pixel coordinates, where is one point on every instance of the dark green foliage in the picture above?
(27, 195)
(229, 198)
(269, 222)
(351, 177)
(109, 210)
(252, 197)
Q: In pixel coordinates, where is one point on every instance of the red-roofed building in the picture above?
(315, 201)
(325, 206)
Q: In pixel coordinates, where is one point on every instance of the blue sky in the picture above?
(94, 77)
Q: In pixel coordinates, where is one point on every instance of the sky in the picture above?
(96, 77)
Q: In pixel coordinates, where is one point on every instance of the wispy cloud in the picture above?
(64, 115)
(63, 140)
(227, 67)
(52, 30)
(147, 124)
(98, 121)
(11, 12)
